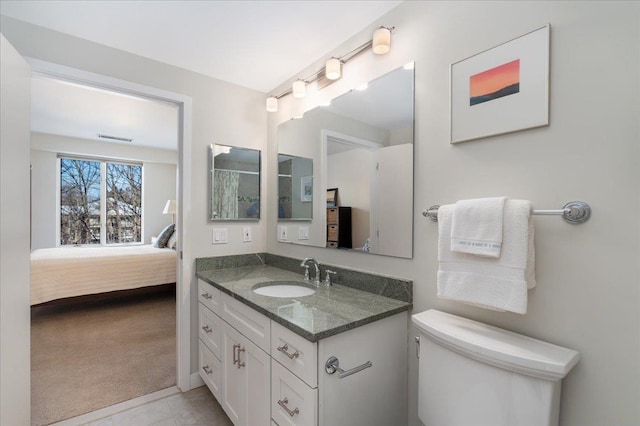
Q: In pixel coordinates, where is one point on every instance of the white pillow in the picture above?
(173, 240)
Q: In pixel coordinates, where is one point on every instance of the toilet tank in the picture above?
(471, 373)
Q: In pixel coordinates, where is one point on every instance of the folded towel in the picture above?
(477, 226)
(492, 283)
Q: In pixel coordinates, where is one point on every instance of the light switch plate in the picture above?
(219, 236)
(303, 233)
(246, 234)
(282, 233)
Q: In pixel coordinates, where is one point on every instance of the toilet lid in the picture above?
(495, 346)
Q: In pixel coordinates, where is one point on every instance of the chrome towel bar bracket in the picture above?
(333, 364)
(574, 212)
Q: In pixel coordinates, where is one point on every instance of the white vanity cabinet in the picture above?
(262, 373)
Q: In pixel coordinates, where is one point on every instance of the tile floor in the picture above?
(196, 407)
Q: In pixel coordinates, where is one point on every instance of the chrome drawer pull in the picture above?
(207, 329)
(283, 403)
(285, 348)
(332, 365)
(207, 369)
(207, 296)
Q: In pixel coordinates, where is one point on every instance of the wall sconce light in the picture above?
(380, 44)
(333, 69)
(299, 88)
(272, 104)
(381, 41)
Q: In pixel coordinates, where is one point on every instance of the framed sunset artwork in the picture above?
(502, 90)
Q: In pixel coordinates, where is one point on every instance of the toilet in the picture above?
(471, 373)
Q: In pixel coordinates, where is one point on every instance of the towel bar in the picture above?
(574, 212)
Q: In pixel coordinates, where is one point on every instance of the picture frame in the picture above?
(306, 189)
(501, 90)
(332, 197)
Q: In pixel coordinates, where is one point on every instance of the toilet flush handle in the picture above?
(417, 339)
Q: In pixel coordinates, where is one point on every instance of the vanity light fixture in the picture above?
(381, 41)
(333, 69)
(272, 104)
(299, 88)
(380, 44)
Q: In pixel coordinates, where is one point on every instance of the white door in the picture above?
(15, 99)
(395, 200)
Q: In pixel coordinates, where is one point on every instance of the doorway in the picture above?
(183, 105)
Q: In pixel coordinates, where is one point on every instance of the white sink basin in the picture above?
(283, 289)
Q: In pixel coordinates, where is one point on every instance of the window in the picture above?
(100, 202)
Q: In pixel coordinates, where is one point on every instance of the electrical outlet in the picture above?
(246, 234)
(303, 233)
(283, 233)
(219, 236)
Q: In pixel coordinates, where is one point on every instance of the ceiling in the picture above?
(255, 44)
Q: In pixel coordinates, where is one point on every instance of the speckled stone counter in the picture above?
(331, 310)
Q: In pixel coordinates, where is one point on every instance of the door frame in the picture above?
(184, 379)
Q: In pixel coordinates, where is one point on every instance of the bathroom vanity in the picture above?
(335, 357)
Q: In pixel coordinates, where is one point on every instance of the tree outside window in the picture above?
(100, 202)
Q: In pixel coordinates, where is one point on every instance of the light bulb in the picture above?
(332, 69)
(381, 41)
(299, 88)
(272, 104)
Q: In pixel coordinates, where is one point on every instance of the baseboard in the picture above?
(118, 408)
(196, 380)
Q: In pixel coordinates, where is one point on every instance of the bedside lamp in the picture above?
(170, 208)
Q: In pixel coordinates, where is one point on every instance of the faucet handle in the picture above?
(327, 276)
(306, 272)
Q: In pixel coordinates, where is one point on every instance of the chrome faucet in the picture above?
(316, 281)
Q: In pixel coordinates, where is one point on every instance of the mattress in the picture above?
(62, 272)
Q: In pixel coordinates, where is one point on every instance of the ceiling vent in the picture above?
(114, 138)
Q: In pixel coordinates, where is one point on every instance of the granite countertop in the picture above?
(331, 310)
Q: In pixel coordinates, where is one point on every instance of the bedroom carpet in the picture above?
(89, 355)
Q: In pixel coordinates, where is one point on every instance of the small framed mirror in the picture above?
(234, 183)
(295, 188)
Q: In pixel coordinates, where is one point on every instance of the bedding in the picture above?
(62, 272)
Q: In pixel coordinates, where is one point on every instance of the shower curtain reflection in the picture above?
(225, 189)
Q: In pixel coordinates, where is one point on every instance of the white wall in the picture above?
(587, 297)
(221, 113)
(159, 182)
(15, 374)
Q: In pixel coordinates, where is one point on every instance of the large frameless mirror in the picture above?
(234, 183)
(362, 145)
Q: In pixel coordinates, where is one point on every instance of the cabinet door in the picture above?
(258, 367)
(234, 395)
(246, 378)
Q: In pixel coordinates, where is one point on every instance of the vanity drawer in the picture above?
(297, 354)
(252, 324)
(210, 329)
(210, 370)
(209, 296)
(288, 394)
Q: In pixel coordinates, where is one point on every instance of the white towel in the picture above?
(492, 283)
(477, 226)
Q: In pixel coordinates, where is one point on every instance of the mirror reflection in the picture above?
(295, 187)
(363, 144)
(234, 183)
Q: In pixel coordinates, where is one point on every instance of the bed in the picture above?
(62, 272)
